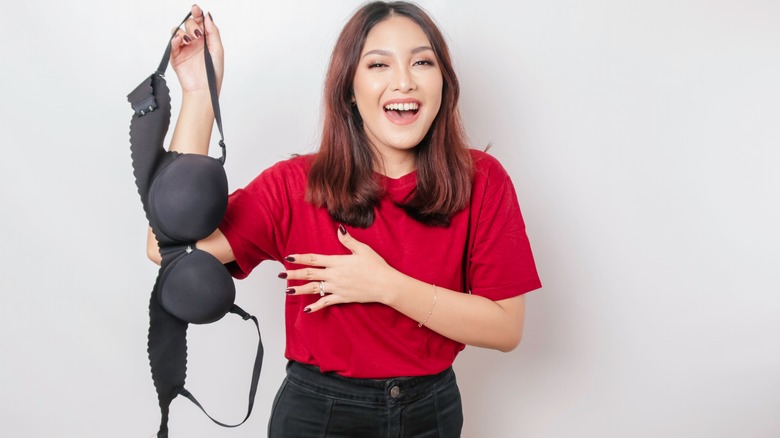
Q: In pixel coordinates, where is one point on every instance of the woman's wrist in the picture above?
(396, 287)
(197, 95)
(199, 91)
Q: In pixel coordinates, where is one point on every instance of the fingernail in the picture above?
(290, 291)
(198, 34)
(289, 258)
(342, 230)
(187, 39)
(210, 17)
(307, 310)
(282, 275)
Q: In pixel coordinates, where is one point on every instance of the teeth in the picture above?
(402, 106)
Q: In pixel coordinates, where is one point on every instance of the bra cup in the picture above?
(197, 288)
(188, 198)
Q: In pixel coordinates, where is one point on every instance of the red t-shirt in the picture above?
(270, 219)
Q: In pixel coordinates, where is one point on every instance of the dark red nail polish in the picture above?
(187, 39)
(210, 18)
(342, 230)
(289, 259)
(198, 34)
(290, 291)
(283, 275)
(307, 310)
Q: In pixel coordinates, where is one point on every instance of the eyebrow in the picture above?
(383, 52)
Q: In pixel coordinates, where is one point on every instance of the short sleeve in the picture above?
(257, 220)
(501, 263)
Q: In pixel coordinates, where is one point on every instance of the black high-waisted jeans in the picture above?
(311, 404)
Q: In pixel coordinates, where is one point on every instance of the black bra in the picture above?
(184, 197)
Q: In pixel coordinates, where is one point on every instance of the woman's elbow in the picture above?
(512, 325)
(153, 252)
(152, 248)
(511, 341)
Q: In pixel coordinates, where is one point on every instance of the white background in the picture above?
(643, 138)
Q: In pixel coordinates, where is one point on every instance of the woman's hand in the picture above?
(360, 277)
(187, 52)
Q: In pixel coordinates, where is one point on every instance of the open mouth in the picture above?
(402, 111)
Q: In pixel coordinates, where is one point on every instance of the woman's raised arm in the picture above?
(196, 118)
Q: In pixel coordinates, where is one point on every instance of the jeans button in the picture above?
(395, 391)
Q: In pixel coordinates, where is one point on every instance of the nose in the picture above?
(403, 80)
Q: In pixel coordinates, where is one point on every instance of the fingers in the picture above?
(327, 300)
(194, 24)
(176, 42)
(197, 14)
(316, 288)
(184, 37)
(199, 22)
(306, 274)
(317, 260)
(195, 27)
(312, 288)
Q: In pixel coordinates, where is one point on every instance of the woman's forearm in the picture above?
(470, 319)
(193, 127)
(216, 244)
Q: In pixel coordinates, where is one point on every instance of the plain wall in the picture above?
(643, 138)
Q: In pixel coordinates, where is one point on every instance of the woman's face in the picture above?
(397, 87)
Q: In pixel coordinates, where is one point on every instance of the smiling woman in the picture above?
(400, 244)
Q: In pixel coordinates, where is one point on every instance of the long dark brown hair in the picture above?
(341, 177)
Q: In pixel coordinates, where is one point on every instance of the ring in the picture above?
(322, 288)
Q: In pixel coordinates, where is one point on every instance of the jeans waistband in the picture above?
(381, 391)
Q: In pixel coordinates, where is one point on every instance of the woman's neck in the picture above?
(396, 167)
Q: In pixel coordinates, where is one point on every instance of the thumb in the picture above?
(348, 241)
(212, 32)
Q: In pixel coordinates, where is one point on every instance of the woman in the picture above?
(380, 233)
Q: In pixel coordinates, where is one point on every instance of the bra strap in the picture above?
(211, 77)
(255, 372)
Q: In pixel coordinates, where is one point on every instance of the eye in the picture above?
(376, 65)
(426, 62)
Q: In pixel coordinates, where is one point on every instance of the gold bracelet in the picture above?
(435, 294)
